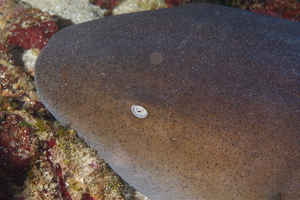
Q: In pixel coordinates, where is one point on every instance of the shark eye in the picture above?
(139, 111)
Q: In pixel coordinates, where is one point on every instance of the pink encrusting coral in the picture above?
(31, 28)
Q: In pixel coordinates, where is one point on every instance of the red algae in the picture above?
(95, 165)
(286, 9)
(24, 28)
(62, 185)
(63, 188)
(51, 143)
(15, 152)
(107, 4)
(31, 28)
(87, 196)
(173, 3)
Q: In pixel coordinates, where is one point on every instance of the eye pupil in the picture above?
(139, 111)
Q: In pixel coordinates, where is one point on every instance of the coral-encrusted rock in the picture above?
(16, 150)
(286, 9)
(31, 28)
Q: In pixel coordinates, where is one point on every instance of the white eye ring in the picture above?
(139, 111)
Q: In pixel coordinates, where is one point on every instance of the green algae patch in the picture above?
(14, 105)
(25, 124)
(4, 103)
(40, 125)
(74, 185)
(61, 131)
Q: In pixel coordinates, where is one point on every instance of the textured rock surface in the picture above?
(76, 10)
(129, 6)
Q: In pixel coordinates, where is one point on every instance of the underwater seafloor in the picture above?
(40, 159)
